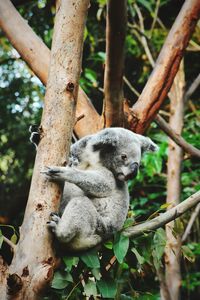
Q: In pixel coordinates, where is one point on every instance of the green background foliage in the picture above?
(121, 268)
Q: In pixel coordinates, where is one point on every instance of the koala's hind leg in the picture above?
(78, 221)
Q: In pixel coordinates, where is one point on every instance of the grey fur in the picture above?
(95, 196)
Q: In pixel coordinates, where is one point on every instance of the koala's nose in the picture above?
(134, 169)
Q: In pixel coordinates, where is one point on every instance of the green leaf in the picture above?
(96, 273)
(61, 280)
(146, 4)
(90, 288)
(120, 246)
(70, 262)
(140, 258)
(14, 238)
(187, 253)
(107, 288)
(108, 244)
(91, 259)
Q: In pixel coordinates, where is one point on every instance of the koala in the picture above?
(95, 197)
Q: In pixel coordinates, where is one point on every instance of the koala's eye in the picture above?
(124, 157)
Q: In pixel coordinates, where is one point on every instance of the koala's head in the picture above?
(120, 151)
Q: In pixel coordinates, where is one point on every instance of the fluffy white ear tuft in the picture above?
(148, 145)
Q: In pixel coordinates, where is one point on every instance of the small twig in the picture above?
(155, 17)
(176, 137)
(193, 217)
(130, 86)
(143, 38)
(10, 243)
(111, 263)
(193, 109)
(192, 88)
(164, 218)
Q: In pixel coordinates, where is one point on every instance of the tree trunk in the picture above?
(166, 67)
(34, 259)
(175, 155)
(36, 54)
(113, 77)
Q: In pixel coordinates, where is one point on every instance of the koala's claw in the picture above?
(55, 217)
(52, 172)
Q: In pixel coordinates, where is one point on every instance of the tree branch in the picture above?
(176, 137)
(193, 217)
(113, 77)
(192, 88)
(10, 243)
(166, 67)
(164, 218)
(36, 54)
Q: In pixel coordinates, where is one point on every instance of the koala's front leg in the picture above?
(93, 183)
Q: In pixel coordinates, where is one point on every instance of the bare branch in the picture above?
(37, 56)
(10, 243)
(143, 38)
(193, 217)
(130, 86)
(113, 78)
(192, 88)
(164, 218)
(167, 64)
(176, 137)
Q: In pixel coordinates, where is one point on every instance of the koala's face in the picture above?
(123, 160)
(126, 161)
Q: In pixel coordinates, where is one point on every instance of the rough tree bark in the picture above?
(175, 156)
(34, 259)
(166, 67)
(37, 55)
(114, 67)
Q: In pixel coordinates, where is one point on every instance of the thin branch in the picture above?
(114, 65)
(130, 86)
(193, 217)
(155, 17)
(10, 243)
(143, 38)
(164, 218)
(176, 137)
(192, 88)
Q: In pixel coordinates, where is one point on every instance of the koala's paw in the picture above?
(52, 224)
(55, 173)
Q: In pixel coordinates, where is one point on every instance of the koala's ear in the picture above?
(148, 145)
(105, 140)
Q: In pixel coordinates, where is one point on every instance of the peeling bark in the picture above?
(113, 77)
(34, 260)
(37, 55)
(166, 67)
(175, 156)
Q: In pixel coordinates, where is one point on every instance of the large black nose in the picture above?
(134, 169)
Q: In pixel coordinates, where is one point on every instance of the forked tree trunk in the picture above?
(113, 78)
(175, 156)
(37, 55)
(34, 259)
